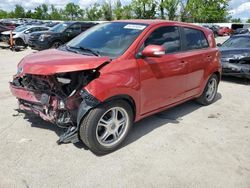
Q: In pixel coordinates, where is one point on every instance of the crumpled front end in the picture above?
(236, 66)
(56, 98)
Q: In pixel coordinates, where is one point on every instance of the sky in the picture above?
(238, 8)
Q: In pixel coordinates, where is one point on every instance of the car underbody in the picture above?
(57, 98)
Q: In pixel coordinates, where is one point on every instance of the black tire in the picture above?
(19, 42)
(203, 99)
(89, 126)
(56, 44)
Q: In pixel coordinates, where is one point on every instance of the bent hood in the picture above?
(49, 62)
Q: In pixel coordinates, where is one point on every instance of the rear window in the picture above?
(195, 39)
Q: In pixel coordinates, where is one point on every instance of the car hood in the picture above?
(8, 32)
(54, 61)
(234, 53)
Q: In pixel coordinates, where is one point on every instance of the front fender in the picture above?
(115, 84)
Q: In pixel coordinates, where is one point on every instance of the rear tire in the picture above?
(209, 94)
(105, 127)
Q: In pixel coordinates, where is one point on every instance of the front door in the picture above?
(163, 79)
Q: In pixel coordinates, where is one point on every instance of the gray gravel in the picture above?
(186, 146)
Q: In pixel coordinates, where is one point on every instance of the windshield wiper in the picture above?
(94, 52)
(69, 48)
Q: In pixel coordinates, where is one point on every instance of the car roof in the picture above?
(159, 21)
(146, 21)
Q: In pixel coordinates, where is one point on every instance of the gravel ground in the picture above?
(186, 146)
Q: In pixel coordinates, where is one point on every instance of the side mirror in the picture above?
(219, 44)
(153, 51)
(26, 32)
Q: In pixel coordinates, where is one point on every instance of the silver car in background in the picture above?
(21, 34)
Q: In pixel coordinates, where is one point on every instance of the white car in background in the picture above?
(21, 34)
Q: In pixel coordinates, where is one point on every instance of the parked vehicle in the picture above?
(58, 35)
(224, 31)
(235, 56)
(115, 74)
(6, 34)
(2, 29)
(21, 34)
(214, 28)
(240, 31)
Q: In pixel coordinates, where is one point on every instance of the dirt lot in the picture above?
(187, 146)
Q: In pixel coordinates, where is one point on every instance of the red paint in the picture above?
(224, 31)
(154, 83)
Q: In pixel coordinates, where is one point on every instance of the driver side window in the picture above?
(167, 36)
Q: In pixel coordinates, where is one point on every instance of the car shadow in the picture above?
(231, 79)
(173, 115)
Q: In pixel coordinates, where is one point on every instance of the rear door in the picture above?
(163, 79)
(197, 55)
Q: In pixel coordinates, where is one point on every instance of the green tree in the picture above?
(54, 13)
(3, 14)
(94, 12)
(236, 20)
(73, 11)
(38, 13)
(118, 10)
(144, 9)
(45, 9)
(107, 10)
(127, 12)
(207, 11)
(29, 14)
(248, 20)
(171, 7)
(19, 12)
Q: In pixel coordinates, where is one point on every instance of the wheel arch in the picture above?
(126, 98)
(218, 74)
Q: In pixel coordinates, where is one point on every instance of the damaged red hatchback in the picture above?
(117, 73)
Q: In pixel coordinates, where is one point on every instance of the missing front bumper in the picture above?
(48, 108)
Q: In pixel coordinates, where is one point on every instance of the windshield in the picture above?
(108, 39)
(59, 27)
(20, 28)
(237, 42)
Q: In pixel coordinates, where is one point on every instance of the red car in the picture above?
(224, 31)
(115, 74)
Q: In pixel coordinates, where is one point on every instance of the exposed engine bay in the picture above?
(56, 98)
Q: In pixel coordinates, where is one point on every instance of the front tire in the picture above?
(56, 44)
(210, 91)
(106, 126)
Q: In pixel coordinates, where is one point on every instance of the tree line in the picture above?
(206, 11)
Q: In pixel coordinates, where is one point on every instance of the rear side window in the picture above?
(168, 37)
(195, 39)
(76, 28)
